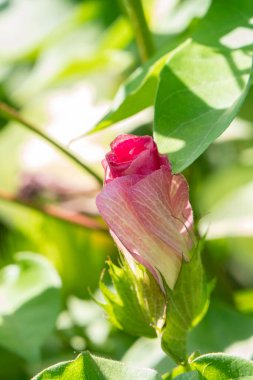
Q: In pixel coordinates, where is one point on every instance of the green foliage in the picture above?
(197, 81)
(87, 366)
(223, 367)
(186, 306)
(137, 303)
(30, 303)
(204, 83)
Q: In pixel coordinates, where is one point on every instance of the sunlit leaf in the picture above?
(223, 367)
(205, 82)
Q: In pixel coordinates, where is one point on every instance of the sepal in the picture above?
(135, 303)
(186, 305)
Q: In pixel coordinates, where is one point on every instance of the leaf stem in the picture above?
(143, 36)
(11, 114)
(55, 212)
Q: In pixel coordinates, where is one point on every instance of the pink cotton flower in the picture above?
(146, 207)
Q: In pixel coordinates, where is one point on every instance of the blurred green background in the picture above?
(61, 63)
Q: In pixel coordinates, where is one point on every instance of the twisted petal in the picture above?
(119, 205)
(132, 155)
(161, 201)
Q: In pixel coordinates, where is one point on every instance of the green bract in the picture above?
(136, 304)
(186, 306)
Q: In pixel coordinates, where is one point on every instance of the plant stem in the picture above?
(55, 212)
(143, 36)
(11, 114)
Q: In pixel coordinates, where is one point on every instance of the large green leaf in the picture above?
(205, 82)
(223, 367)
(89, 367)
(30, 302)
(186, 306)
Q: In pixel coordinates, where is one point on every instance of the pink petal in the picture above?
(125, 147)
(161, 201)
(116, 207)
(145, 163)
(131, 257)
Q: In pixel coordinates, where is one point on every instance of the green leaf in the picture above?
(30, 302)
(139, 90)
(186, 306)
(204, 83)
(87, 367)
(223, 367)
(216, 367)
(137, 303)
(135, 95)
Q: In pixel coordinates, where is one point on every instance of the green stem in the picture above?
(143, 36)
(11, 114)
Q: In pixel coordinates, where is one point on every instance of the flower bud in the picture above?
(146, 207)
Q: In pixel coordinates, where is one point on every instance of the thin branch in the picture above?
(11, 114)
(55, 212)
